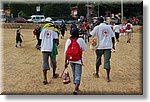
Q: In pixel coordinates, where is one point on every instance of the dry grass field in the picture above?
(22, 68)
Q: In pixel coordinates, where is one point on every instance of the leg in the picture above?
(108, 73)
(20, 42)
(129, 37)
(73, 71)
(62, 33)
(98, 61)
(45, 66)
(45, 77)
(77, 72)
(54, 66)
(16, 43)
(39, 42)
(107, 56)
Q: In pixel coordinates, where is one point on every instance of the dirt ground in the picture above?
(22, 68)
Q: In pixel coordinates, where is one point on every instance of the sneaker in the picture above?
(75, 92)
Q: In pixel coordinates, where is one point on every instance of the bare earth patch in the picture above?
(22, 68)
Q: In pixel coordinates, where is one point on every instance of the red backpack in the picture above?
(74, 52)
(128, 27)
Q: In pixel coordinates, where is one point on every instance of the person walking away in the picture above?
(36, 33)
(18, 37)
(63, 29)
(106, 42)
(74, 48)
(86, 29)
(123, 29)
(73, 25)
(129, 30)
(117, 29)
(48, 37)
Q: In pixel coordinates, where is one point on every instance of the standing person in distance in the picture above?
(63, 29)
(73, 53)
(18, 37)
(36, 33)
(117, 29)
(106, 42)
(129, 31)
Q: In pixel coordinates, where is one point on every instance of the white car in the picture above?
(37, 18)
(48, 19)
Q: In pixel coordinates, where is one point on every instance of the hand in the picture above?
(113, 47)
(66, 64)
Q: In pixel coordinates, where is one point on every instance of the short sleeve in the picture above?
(41, 34)
(94, 31)
(55, 35)
(82, 44)
(67, 44)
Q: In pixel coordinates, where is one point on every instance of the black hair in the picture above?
(101, 19)
(128, 21)
(74, 33)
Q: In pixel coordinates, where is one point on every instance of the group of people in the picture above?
(124, 29)
(74, 47)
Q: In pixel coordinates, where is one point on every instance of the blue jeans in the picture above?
(76, 71)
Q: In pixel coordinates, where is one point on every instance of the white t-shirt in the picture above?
(117, 28)
(82, 45)
(129, 30)
(105, 34)
(47, 36)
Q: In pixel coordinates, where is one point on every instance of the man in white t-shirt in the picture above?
(117, 29)
(129, 30)
(48, 37)
(106, 42)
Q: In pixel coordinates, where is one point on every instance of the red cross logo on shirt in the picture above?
(47, 34)
(105, 32)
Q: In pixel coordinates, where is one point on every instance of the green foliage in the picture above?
(63, 10)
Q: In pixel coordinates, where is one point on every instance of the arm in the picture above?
(113, 42)
(21, 35)
(132, 28)
(94, 32)
(56, 41)
(66, 47)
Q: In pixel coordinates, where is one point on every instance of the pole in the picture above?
(98, 8)
(121, 10)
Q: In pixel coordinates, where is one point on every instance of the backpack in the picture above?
(74, 52)
(128, 27)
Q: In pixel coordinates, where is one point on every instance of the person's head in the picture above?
(19, 27)
(74, 33)
(40, 25)
(100, 19)
(128, 21)
(117, 23)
